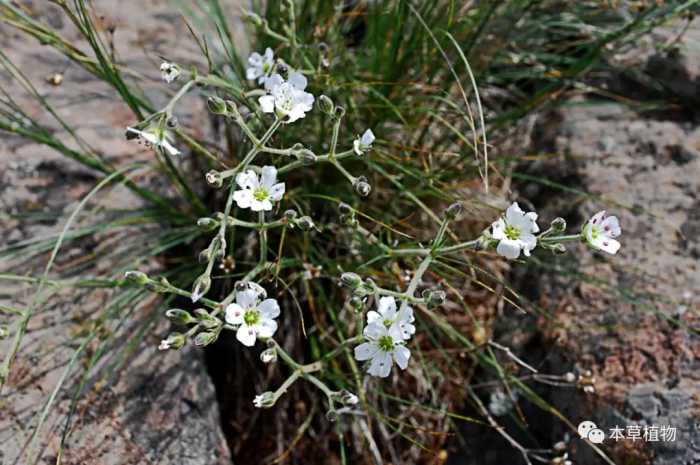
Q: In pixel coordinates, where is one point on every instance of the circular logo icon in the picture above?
(588, 430)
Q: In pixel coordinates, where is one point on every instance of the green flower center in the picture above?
(387, 322)
(251, 317)
(266, 67)
(386, 343)
(594, 232)
(260, 194)
(512, 233)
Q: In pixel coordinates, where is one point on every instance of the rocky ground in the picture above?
(634, 325)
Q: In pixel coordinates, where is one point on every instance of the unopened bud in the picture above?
(205, 338)
(307, 157)
(207, 224)
(204, 256)
(4, 332)
(216, 105)
(357, 303)
(173, 341)
(254, 18)
(345, 209)
(558, 225)
(179, 317)
(305, 223)
(201, 287)
(290, 215)
(264, 400)
(362, 187)
(558, 249)
(348, 398)
(326, 105)
(172, 122)
(214, 179)
(453, 211)
(338, 112)
(136, 277)
(435, 298)
(332, 415)
(268, 356)
(350, 280)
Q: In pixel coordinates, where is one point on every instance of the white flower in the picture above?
(399, 322)
(164, 344)
(600, 232)
(515, 232)
(256, 319)
(383, 348)
(286, 99)
(258, 193)
(153, 138)
(260, 66)
(364, 143)
(169, 71)
(265, 400)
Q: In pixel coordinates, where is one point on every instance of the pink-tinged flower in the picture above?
(600, 232)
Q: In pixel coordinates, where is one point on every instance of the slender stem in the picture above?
(565, 238)
(321, 158)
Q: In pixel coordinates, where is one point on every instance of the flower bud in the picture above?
(338, 112)
(435, 298)
(306, 156)
(4, 332)
(216, 105)
(205, 338)
(254, 18)
(204, 256)
(214, 179)
(348, 398)
(557, 249)
(362, 187)
(268, 356)
(558, 225)
(350, 280)
(201, 287)
(173, 341)
(357, 303)
(345, 209)
(290, 215)
(136, 277)
(453, 211)
(207, 224)
(305, 223)
(172, 122)
(179, 317)
(326, 105)
(265, 400)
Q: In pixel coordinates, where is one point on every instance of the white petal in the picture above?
(277, 192)
(509, 248)
(268, 176)
(611, 226)
(387, 307)
(260, 205)
(365, 351)
(255, 59)
(246, 335)
(514, 213)
(367, 138)
(498, 229)
(597, 219)
(247, 299)
(267, 102)
(169, 148)
(252, 73)
(356, 146)
(528, 242)
(380, 365)
(606, 244)
(532, 216)
(243, 198)
(268, 55)
(297, 80)
(273, 82)
(401, 356)
(374, 331)
(266, 328)
(234, 314)
(373, 317)
(269, 308)
(247, 179)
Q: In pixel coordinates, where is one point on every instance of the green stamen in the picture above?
(512, 233)
(251, 317)
(386, 343)
(260, 194)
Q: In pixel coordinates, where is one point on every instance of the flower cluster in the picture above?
(515, 232)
